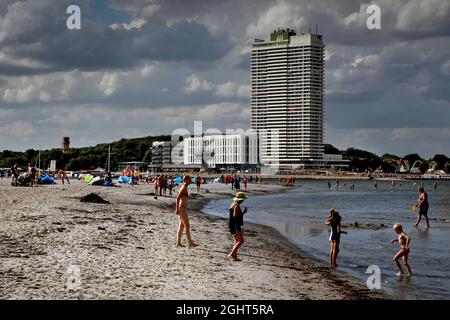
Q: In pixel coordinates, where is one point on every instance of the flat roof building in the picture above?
(222, 152)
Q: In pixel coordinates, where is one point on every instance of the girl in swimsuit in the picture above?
(182, 212)
(334, 221)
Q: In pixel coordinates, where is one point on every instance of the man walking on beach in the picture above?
(423, 206)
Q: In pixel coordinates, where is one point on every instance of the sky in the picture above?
(148, 67)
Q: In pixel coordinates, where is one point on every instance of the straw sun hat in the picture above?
(240, 196)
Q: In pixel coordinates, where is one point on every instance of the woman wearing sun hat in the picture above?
(236, 222)
(182, 212)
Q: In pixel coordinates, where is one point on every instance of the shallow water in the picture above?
(299, 215)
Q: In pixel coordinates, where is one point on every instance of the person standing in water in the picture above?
(198, 182)
(423, 206)
(235, 224)
(182, 212)
(334, 221)
(435, 186)
(403, 240)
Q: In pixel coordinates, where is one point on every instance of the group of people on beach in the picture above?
(334, 222)
(236, 218)
(163, 183)
(31, 176)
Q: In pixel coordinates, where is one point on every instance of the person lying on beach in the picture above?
(403, 240)
(181, 209)
(235, 224)
(334, 221)
(423, 206)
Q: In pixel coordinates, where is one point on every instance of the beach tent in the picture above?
(178, 180)
(97, 181)
(46, 180)
(88, 178)
(124, 180)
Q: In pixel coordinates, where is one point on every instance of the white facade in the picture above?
(287, 75)
(232, 149)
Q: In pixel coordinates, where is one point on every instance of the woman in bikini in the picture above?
(235, 224)
(182, 212)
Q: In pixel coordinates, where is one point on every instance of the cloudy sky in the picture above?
(145, 67)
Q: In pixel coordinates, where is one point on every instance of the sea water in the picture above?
(300, 213)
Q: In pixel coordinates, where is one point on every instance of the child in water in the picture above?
(334, 221)
(403, 240)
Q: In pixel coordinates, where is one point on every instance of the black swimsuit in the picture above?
(235, 224)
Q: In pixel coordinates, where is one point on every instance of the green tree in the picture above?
(440, 160)
(330, 149)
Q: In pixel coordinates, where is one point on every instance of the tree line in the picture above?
(86, 158)
(361, 160)
(139, 149)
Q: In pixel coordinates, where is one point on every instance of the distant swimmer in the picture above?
(375, 185)
(423, 206)
(329, 185)
(403, 240)
(337, 184)
(435, 186)
(334, 222)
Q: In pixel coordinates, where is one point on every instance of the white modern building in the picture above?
(230, 151)
(287, 79)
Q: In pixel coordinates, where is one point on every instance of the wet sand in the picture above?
(126, 250)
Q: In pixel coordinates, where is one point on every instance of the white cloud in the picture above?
(17, 129)
(20, 95)
(134, 24)
(194, 84)
(445, 68)
(148, 70)
(227, 89)
(421, 15)
(109, 83)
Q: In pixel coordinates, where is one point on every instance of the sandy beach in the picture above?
(126, 250)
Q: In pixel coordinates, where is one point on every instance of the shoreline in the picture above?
(353, 285)
(126, 250)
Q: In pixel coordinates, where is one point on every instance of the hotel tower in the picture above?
(287, 76)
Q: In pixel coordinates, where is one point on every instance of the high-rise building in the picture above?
(287, 75)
